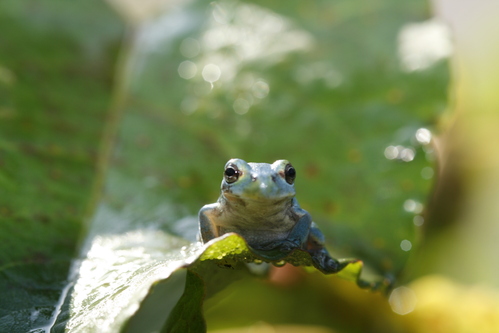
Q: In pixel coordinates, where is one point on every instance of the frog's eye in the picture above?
(231, 174)
(290, 174)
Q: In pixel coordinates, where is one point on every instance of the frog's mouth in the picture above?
(260, 192)
(259, 203)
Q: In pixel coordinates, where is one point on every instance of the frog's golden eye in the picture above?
(290, 174)
(231, 173)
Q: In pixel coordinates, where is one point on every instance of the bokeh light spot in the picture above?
(418, 220)
(260, 89)
(391, 152)
(187, 69)
(219, 13)
(406, 245)
(413, 206)
(427, 172)
(423, 136)
(402, 300)
(423, 44)
(407, 154)
(190, 47)
(241, 106)
(400, 152)
(211, 73)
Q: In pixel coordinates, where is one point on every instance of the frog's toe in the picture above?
(327, 264)
(281, 246)
(331, 265)
(266, 247)
(289, 246)
(275, 250)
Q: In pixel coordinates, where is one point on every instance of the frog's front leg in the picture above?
(300, 232)
(316, 247)
(296, 238)
(207, 229)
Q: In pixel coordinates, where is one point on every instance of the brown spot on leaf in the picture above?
(330, 207)
(44, 219)
(312, 170)
(354, 156)
(143, 141)
(394, 96)
(55, 174)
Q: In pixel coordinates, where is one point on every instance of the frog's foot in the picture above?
(289, 245)
(284, 246)
(276, 250)
(323, 261)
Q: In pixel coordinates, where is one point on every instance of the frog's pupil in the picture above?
(290, 174)
(231, 175)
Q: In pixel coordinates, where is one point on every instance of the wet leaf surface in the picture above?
(54, 94)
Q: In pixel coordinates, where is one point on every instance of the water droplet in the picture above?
(34, 315)
(402, 300)
(280, 263)
(406, 245)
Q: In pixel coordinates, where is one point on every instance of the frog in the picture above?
(258, 202)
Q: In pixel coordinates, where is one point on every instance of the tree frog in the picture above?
(257, 201)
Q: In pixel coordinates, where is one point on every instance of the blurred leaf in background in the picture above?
(56, 68)
(347, 91)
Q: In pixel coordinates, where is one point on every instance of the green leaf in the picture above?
(334, 129)
(187, 316)
(30, 292)
(318, 84)
(56, 62)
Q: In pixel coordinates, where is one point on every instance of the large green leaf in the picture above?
(56, 68)
(176, 134)
(320, 85)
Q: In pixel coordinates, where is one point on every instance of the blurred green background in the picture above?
(116, 119)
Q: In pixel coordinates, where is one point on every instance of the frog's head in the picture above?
(258, 181)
